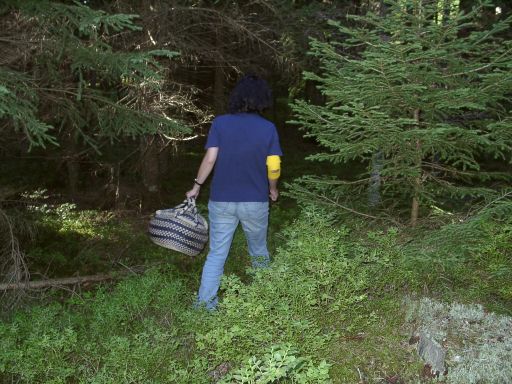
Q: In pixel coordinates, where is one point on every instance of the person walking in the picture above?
(243, 151)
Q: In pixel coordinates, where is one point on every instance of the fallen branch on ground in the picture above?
(39, 284)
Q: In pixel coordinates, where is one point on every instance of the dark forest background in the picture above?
(396, 126)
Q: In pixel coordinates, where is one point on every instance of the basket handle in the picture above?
(189, 205)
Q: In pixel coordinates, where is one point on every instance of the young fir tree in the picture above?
(427, 92)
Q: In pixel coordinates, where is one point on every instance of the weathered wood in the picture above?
(432, 353)
(417, 181)
(38, 284)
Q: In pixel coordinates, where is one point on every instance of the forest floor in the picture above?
(338, 299)
(345, 300)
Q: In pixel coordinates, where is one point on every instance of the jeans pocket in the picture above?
(255, 210)
(217, 207)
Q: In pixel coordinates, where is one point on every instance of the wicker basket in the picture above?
(181, 228)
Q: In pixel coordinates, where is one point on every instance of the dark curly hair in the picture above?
(250, 94)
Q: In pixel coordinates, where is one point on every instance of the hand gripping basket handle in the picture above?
(181, 228)
(188, 206)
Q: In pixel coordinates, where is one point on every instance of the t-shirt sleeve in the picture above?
(213, 136)
(274, 147)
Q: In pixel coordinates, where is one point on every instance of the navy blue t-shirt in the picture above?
(244, 141)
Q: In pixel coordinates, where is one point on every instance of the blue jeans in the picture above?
(224, 218)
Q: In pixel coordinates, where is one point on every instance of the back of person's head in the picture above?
(250, 94)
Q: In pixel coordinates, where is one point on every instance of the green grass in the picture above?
(378, 350)
(330, 306)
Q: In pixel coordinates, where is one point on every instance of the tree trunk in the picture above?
(417, 181)
(150, 170)
(218, 89)
(72, 165)
(374, 198)
(218, 81)
(164, 157)
(506, 8)
(383, 8)
(415, 205)
(313, 95)
(467, 5)
(39, 284)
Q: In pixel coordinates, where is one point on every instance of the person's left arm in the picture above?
(274, 172)
(204, 171)
(274, 165)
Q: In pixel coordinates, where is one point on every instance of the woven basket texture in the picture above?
(181, 228)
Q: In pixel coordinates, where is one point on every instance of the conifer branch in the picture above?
(481, 68)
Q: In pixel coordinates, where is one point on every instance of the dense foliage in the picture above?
(425, 97)
(74, 69)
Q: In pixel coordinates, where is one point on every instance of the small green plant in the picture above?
(282, 365)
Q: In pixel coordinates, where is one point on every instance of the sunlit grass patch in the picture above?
(70, 241)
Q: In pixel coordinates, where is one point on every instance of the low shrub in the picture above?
(279, 364)
(130, 334)
(145, 329)
(316, 286)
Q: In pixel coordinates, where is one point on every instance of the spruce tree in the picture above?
(66, 73)
(65, 77)
(430, 95)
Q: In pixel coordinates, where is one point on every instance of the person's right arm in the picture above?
(204, 171)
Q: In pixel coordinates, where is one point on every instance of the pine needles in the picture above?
(428, 96)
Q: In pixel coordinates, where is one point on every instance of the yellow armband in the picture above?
(273, 167)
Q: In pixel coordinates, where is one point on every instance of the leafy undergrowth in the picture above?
(466, 262)
(69, 241)
(330, 309)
